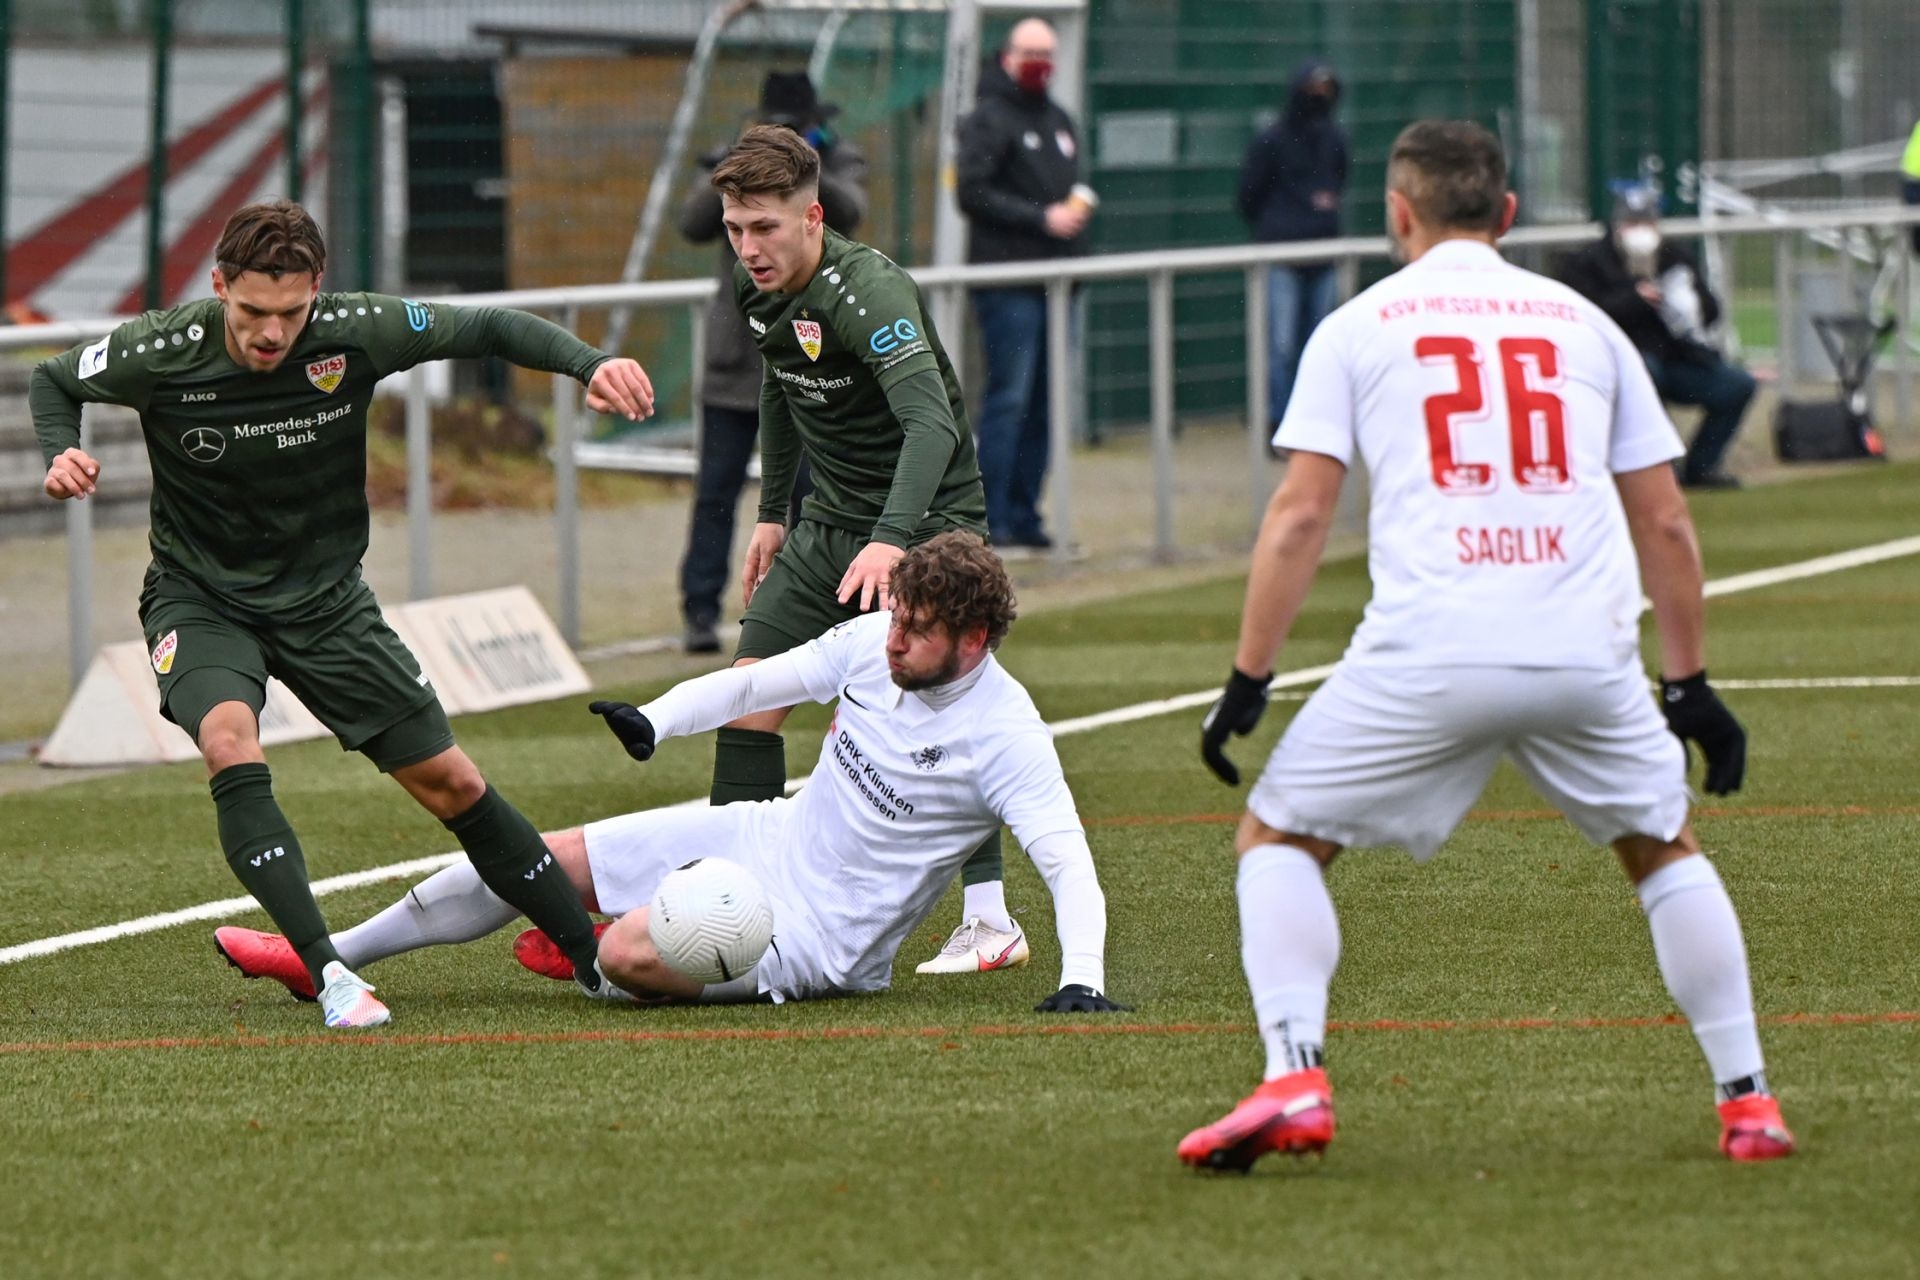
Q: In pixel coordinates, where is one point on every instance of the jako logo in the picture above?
(278, 851)
(756, 326)
(194, 397)
(889, 336)
(419, 315)
(539, 866)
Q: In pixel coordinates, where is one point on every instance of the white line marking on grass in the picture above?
(1814, 568)
(1825, 682)
(215, 910)
(1079, 724)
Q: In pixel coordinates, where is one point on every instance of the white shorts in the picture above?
(630, 855)
(1385, 755)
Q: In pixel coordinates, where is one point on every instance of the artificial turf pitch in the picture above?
(1513, 1098)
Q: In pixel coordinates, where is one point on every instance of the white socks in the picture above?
(1696, 939)
(988, 900)
(451, 905)
(1289, 945)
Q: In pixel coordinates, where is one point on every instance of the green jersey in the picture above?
(857, 378)
(260, 479)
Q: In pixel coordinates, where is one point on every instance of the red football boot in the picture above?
(1751, 1129)
(535, 951)
(1293, 1113)
(265, 955)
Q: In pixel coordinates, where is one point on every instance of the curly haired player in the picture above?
(932, 743)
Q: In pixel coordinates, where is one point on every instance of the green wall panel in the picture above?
(1177, 88)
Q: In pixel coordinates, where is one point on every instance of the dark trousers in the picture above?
(726, 445)
(1910, 194)
(1014, 423)
(1716, 386)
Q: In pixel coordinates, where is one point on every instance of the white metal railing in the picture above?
(946, 285)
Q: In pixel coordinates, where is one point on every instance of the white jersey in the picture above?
(1492, 407)
(901, 795)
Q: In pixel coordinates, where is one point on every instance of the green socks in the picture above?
(749, 765)
(514, 862)
(985, 863)
(263, 852)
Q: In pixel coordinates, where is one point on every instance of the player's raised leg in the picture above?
(506, 850)
(1289, 947)
(1703, 959)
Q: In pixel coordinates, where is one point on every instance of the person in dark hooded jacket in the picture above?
(1017, 167)
(1290, 189)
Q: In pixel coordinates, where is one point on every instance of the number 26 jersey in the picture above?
(1492, 408)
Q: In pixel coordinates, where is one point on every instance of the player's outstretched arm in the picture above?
(1080, 918)
(1669, 554)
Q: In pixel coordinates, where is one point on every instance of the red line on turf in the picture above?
(713, 1034)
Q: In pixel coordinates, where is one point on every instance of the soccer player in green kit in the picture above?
(254, 408)
(857, 378)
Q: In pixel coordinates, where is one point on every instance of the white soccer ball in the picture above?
(711, 920)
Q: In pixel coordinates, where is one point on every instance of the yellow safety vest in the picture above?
(1910, 162)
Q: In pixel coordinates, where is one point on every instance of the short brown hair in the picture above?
(954, 580)
(769, 159)
(276, 238)
(1453, 173)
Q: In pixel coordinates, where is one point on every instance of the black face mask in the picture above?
(1316, 105)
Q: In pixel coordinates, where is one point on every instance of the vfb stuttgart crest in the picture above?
(163, 652)
(808, 331)
(326, 373)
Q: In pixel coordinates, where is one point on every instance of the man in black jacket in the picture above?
(1290, 188)
(1653, 290)
(1017, 171)
(730, 380)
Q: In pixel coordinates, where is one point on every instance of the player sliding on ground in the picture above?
(1504, 622)
(254, 407)
(932, 745)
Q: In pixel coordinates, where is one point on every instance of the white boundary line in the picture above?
(1079, 724)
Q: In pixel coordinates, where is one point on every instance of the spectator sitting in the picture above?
(1654, 291)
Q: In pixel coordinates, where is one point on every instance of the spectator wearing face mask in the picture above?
(1290, 189)
(1653, 290)
(1017, 180)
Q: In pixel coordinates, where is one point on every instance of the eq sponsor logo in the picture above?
(889, 336)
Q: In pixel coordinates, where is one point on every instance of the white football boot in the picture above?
(977, 947)
(347, 1000)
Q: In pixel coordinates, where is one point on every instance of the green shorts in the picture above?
(346, 666)
(795, 601)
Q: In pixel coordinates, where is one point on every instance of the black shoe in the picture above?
(1711, 480)
(1036, 540)
(701, 637)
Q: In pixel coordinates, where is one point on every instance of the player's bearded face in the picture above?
(264, 315)
(776, 237)
(921, 656)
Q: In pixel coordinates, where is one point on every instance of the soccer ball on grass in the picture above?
(710, 920)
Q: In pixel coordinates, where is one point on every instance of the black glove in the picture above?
(1239, 709)
(1695, 714)
(1075, 998)
(634, 730)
